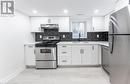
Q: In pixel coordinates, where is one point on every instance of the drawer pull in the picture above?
(64, 60)
(30, 46)
(64, 52)
(64, 46)
(92, 47)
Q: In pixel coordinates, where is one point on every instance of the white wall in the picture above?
(14, 31)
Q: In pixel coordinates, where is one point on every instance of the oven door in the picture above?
(45, 54)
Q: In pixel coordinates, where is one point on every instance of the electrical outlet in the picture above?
(40, 36)
(97, 35)
(63, 36)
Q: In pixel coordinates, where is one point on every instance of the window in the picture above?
(79, 29)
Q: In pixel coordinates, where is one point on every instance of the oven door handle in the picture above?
(53, 53)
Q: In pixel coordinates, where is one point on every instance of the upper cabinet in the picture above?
(62, 21)
(98, 24)
(107, 19)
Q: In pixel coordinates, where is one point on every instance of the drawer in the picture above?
(64, 48)
(65, 53)
(65, 56)
(64, 61)
(46, 64)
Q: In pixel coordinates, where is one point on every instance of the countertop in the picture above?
(75, 43)
(31, 43)
(83, 43)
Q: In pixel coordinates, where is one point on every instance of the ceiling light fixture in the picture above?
(35, 11)
(65, 11)
(96, 11)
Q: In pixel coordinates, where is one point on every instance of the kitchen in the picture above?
(55, 42)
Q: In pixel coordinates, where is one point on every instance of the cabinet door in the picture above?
(98, 24)
(29, 55)
(76, 55)
(64, 24)
(90, 55)
(95, 55)
(36, 21)
(54, 20)
(107, 22)
(86, 54)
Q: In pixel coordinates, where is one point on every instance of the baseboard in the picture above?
(77, 66)
(11, 76)
(30, 66)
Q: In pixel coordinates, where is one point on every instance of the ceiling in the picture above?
(56, 7)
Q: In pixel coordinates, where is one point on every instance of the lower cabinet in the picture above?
(29, 55)
(85, 55)
(78, 55)
(64, 55)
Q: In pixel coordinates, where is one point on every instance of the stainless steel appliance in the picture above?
(46, 27)
(46, 56)
(119, 40)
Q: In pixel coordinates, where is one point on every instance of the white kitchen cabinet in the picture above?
(107, 20)
(62, 21)
(76, 55)
(29, 55)
(98, 24)
(64, 54)
(94, 55)
(85, 55)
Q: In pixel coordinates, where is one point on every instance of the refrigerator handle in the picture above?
(112, 45)
(115, 24)
(112, 26)
(113, 31)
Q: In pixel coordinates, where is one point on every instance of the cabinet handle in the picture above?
(92, 47)
(93, 28)
(64, 60)
(34, 51)
(64, 52)
(81, 51)
(30, 46)
(63, 46)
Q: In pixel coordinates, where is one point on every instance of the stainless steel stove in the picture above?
(46, 56)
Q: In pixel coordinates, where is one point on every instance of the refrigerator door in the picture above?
(120, 60)
(119, 42)
(121, 22)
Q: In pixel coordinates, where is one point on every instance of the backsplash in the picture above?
(67, 36)
(97, 36)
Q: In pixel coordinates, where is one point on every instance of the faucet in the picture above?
(79, 37)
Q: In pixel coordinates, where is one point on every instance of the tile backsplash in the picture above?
(97, 36)
(67, 36)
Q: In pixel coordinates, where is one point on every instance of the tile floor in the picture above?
(90, 75)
